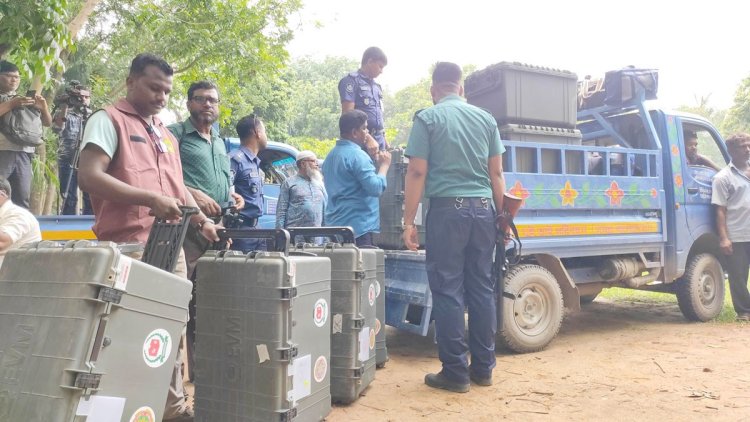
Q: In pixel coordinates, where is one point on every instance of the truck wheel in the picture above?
(533, 317)
(700, 291)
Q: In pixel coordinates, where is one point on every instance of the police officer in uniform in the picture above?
(358, 90)
(247, 177)
(455, 158)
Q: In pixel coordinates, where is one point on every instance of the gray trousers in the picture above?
(738, 268)
(15, 167)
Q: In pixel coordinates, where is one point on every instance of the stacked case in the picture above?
(530, 103)
(86, 333)
(354, 293)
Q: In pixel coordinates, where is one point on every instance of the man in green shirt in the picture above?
(205, 168)
(455, 158)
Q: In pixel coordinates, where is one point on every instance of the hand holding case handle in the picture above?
(346, 234)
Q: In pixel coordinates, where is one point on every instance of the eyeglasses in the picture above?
(308, 160)
(203, 100)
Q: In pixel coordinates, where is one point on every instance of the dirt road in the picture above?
(612, 361)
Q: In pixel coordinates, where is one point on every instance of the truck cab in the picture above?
(624, 207)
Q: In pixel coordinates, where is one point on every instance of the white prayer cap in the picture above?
(304, 155)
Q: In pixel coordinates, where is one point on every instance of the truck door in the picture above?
(699, 167)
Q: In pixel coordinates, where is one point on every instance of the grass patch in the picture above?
(617, 294)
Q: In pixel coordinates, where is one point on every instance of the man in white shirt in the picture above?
(17, 225)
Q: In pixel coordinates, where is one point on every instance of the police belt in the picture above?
(459, 202)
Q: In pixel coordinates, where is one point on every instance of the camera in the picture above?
(74, 98)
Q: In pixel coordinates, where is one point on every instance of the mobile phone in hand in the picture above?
(31, 93)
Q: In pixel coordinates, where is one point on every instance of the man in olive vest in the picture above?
(130, 165)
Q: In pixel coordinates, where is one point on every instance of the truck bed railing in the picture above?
(574, 160)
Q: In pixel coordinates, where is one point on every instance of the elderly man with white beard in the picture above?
(303, 198)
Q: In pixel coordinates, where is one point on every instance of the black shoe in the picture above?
(483, 381)
(440, 381)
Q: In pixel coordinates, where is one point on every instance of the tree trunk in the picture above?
(77, 23)
(50, 199)
(39, 183)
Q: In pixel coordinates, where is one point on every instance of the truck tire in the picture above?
(533, 317)
(700, 291)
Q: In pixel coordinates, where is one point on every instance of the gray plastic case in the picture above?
(392, 206)
(86, 333)
(381, 351)
(262, 343)
(354, 287)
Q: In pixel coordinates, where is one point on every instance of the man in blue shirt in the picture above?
(455, 158)
(353, 184)
(358, 90)
(247, 177)
(302, 197)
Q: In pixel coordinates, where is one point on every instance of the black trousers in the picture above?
(459, 247)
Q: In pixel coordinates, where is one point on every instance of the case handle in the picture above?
(346, 234)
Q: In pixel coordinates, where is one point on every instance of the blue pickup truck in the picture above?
(621, 208)
(278, 163)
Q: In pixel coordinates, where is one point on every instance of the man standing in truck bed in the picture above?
(455, 157)
(731, 197)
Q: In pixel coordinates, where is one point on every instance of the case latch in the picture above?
(86, 380)
(108, 294)
(288, 292)
(288, 416)
(289, 354)
(358, 323)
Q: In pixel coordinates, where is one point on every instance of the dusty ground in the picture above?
(620, 361)
(612, 361)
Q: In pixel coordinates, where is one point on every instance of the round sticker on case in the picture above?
(157, 347)
(377, 288)
(371, 294)
(377, 326)
(372, 339)
(320, 312)
(143, 414)
(320, 369)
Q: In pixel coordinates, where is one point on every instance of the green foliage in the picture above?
(239, 45)
(738, 116)
(34, 33)
(321, 148)
(701, 108)
(314, 103)
(400, 109)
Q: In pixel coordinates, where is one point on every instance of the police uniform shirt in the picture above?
(247, 178)
(367, 96)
